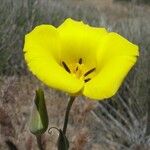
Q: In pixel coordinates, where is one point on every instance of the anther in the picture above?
(66, 67)
(88, 72)
(86, 80)
(80, 61)
(77, 68)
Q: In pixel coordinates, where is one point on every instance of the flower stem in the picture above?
(71, 100)
(39, 142)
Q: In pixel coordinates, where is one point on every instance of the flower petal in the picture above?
(116, 58)
(107, 82)
(80, 41)
(42, 54)
(114, 45)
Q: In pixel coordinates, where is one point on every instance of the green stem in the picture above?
(71, 100)
(39, 142)
(148, 119)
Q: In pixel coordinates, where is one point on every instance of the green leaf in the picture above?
(63, 143)
(39, 116)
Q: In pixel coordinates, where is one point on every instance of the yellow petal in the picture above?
(116, 57)
(80, 40)
(107, 82)
(42, 54)
(114, 45)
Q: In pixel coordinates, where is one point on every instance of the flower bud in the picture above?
(39, 116)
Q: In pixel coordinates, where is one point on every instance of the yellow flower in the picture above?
(77, 58)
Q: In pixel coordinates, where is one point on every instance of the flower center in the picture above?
(79, 70)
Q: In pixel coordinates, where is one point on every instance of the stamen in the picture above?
(77, 68)
(66, 67)
(86, 80)
(80, 61)
(88, 72)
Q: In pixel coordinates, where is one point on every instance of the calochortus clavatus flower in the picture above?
(79, 59)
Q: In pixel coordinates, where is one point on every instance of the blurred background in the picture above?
(119, 123)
